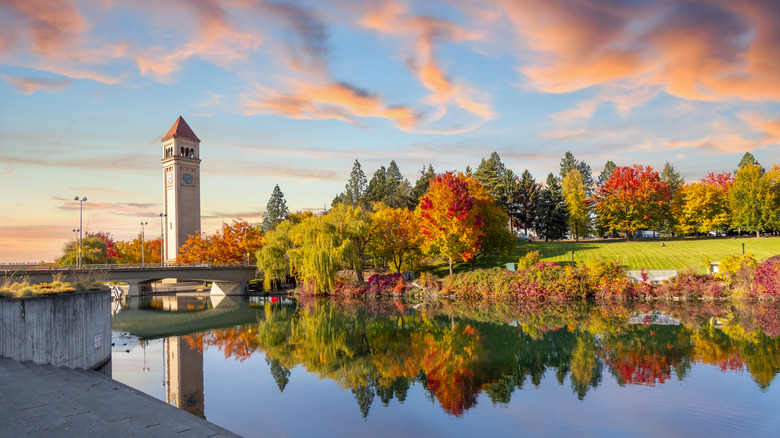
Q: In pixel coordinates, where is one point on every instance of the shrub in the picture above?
(379, 284)
(766, 280)
(737, 269)
(688, 285)
(528, 260)
(430, 282)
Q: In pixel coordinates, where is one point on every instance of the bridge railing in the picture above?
(18, 267)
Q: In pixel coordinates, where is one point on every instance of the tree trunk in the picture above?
(758, 233)
(450, 260)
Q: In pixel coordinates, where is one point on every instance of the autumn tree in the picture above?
(569, 163)
(527, 197)
(129, 251)
(703, 206)
(750, 199)
(450, 221)
(93, 251)
(276, 210)
(397, 237)
(575, 195)
(632, 199)
(551, 213)
(231, 244)
(496, 239)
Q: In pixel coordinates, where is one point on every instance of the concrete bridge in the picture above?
(226, 279)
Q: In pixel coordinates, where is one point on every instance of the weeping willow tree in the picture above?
(355, 228)
(317, 253)
(272, 258)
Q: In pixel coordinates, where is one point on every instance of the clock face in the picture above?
(170, 178)
(187, 178)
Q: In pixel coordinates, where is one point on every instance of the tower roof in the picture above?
(181, 129)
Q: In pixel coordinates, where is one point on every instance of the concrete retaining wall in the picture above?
(71, 329)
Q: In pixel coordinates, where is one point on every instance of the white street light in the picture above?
(142, 241)
(81, 200)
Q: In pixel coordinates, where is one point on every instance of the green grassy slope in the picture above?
(639, 254)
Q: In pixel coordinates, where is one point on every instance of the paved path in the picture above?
(47, 401)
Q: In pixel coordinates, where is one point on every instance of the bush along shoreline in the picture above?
(740, 278)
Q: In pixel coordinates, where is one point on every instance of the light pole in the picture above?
(162, 238)
(76, 239)
(142, 241)
(81, 200)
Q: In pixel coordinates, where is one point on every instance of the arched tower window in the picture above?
(182, 151)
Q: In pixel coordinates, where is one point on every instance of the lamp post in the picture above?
(81, 200)
(162, 238)
(142, 241)
(76, 239)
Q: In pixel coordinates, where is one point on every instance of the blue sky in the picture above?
(291, 93)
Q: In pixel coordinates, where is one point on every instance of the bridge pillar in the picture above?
(229, 288)
(138, 289)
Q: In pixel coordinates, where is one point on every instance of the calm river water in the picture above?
(263, 366)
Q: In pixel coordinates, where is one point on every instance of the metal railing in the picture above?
(116, 266)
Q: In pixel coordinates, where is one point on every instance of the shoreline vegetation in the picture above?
(740, 277)
(13, 286)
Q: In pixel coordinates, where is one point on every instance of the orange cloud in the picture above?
(393, 18)
(51, 24)
(769, 127)
(332, 100)
(714, 50)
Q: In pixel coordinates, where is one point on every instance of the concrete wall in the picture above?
(71, 329)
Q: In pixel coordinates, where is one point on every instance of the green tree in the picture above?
(748, 159)
(272, 258)
(568, 162)
(316, 253)
(509, 186)
(606, 173)
(527, 197)
(577, 204)
(489, 173)
(551, 214)
(276, 210)
(420, 186)
(355, 229)
(93, 251)
(748, 200)
(675, 182)
(355, 190)
(389, 187)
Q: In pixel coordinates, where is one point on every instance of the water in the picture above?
(389, 368)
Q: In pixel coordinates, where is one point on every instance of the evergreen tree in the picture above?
(510, 189)
(527, 196)
(276, 210)
(551, 215)
(420, 186)
(364, 394)
(377, 187)
(748, 159)
(355, 190)
(672, 178)
(398, 187)
(568, 162)
(607, 172)
(280, 374)
(489, 173)
(748, 198)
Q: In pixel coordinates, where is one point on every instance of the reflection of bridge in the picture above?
(226, 279)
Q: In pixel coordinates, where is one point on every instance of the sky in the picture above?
(292, 93)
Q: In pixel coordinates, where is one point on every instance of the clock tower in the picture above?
(181, 178)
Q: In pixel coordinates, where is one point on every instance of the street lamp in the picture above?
(81, 200)
(76, 239)
(142, 241)
(162, 238)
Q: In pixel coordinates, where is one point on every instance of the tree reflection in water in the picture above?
(457, 351)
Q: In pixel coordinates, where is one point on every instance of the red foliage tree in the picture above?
(633, 198)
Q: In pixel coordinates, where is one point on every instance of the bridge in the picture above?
(225, 279)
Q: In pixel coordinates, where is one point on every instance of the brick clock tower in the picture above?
(181, 176)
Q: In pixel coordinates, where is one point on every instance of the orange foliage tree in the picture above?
(397, 235)
(450, 220)
(129, 251)
(233, 243)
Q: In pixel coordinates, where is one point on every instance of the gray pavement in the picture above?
(48, 401)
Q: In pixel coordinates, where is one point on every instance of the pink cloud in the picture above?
(30, 85)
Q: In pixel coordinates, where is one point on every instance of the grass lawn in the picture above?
(638, 254)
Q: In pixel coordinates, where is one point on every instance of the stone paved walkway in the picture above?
(47, 401)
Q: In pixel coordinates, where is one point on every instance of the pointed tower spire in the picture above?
(182, 130)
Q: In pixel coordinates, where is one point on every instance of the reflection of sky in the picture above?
(243, 397)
